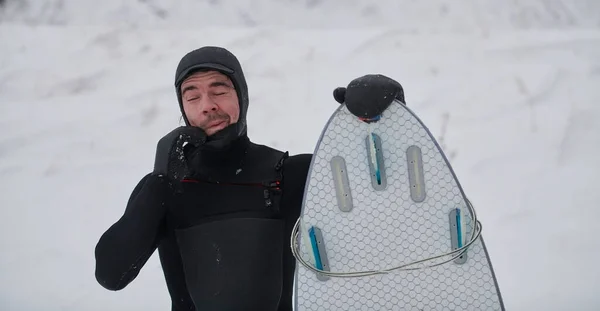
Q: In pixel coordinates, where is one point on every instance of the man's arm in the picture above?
(126, 246)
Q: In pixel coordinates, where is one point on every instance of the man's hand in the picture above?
(368, 96)
(170, 158)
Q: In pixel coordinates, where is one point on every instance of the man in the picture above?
(219, 208)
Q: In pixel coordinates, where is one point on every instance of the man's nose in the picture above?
(209, 106)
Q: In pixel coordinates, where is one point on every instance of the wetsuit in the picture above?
(223, 231)
(222, 234)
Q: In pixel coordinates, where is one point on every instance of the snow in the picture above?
(511, 91)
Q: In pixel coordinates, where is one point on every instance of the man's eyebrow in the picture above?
(220, 83)
(188, 88)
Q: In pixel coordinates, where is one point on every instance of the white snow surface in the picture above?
(510, 88)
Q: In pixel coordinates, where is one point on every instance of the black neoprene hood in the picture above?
(223, 61)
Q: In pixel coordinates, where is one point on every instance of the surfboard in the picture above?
(385, 223)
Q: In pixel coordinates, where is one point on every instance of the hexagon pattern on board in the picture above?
(387, 228)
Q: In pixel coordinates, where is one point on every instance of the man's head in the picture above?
(209, 101)
(212, 92)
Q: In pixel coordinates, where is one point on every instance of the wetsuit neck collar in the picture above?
(211, 161)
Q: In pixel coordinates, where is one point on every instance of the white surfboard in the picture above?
(383, 213)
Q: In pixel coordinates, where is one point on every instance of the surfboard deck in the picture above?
(381, 195)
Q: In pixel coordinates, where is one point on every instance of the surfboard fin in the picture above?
(376, 163)
(342, 183)
(458, 233)
(319, 252)
(416, 175)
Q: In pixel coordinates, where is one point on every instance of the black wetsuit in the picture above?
(222, 234)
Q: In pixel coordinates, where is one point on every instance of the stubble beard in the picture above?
(216, 117)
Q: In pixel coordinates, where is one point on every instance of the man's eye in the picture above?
(221, 93)
(192, 98)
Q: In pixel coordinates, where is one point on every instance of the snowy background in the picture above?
(511, 89)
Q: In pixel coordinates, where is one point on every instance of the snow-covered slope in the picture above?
(409, 15)
(84, 99)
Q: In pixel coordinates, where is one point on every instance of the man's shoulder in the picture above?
(297, 165)
(297, 162)
(301, 160)
(260, 153)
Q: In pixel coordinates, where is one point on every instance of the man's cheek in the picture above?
(196, 122)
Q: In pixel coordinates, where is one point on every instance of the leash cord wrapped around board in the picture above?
(403, 267)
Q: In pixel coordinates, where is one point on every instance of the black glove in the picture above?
(171, 157)
(368, 96)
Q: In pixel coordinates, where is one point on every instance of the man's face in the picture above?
(210, 101)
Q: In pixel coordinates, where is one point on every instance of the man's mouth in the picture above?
(216, 123)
